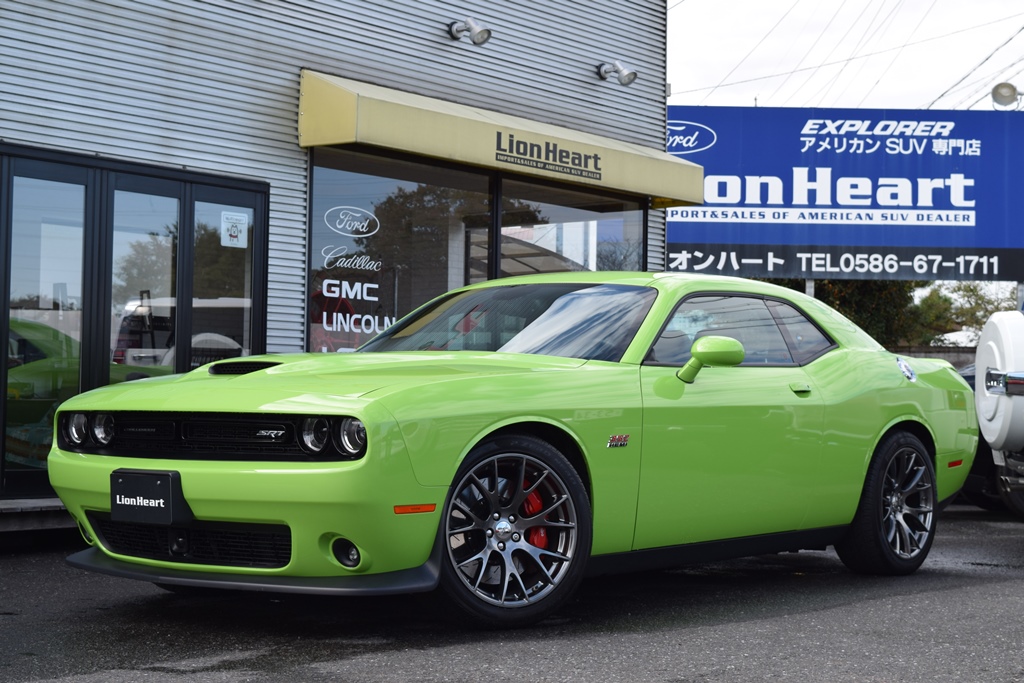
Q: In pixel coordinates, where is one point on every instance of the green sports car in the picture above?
(509, 438)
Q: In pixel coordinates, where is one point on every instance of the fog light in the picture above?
(346, 552)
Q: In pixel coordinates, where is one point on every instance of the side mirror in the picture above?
(713, 351)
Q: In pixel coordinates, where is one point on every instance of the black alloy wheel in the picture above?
(517, 532)
(894, 526)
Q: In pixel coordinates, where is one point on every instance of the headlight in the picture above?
(352, 437)
(77, 428)
(103, 428)
(315, 433)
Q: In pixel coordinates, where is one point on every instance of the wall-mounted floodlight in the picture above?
(1005, 95)
(623, 73)
(478, 33)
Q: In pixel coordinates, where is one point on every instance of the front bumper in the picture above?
(416, 580)
(310, 506)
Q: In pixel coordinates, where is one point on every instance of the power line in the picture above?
(723, 84)
(795, 3)
(964, 77)
(898, 52)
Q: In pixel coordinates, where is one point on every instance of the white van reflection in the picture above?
(146, 332)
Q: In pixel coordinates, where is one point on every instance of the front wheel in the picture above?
(894, 526)
(517, 532)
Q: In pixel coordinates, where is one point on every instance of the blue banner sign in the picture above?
(850, 193)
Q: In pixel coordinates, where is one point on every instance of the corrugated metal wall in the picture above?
(213, 85)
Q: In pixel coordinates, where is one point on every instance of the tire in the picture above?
(894, 526)
(516, 530)
(1012, 500)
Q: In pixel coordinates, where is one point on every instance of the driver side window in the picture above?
(746, 319)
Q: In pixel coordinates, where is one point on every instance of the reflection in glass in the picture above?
(556, 230)
(45, 322)
(145, 245)
(222, 283)
(572, 320)
(386, 237)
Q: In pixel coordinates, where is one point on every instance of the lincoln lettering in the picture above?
(139, 501)
(815, 186)
(548, 152)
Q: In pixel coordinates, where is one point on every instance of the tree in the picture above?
(964, 305)
(879, 307)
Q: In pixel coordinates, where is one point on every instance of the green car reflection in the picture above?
(42, 372)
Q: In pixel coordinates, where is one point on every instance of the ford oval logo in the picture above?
(686, 137)
(351, 221)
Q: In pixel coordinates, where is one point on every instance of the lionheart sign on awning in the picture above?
(850, 193)
(339, 111)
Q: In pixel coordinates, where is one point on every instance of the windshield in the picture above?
(579, 320)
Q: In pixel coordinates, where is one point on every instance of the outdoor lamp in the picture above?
(478, 33)
(624, 74)
(1005, 95)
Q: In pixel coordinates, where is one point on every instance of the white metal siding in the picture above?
(213, 86)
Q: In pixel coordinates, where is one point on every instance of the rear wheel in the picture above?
(517, 532)
(894, 526)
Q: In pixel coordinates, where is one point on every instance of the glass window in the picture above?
(594, 322)
(806, 341)
(221, 282)
(145, 255)
(45, 319)
(746, 319)
(386, 237)
(546, 229)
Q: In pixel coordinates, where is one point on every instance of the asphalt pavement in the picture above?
(792, 617)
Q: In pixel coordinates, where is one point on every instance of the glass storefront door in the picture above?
(44, 322)
(97, 257)
(222, 281)
(145, 254)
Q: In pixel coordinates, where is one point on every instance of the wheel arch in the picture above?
(916, 428)
(557, 437)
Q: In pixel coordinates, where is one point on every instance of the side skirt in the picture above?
(713, 551)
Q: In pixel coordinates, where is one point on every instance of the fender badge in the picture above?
(907, 371)
(618, 440)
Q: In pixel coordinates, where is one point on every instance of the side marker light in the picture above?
(413, 509)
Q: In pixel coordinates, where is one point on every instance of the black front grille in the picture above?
(266, 546)
(206, 436)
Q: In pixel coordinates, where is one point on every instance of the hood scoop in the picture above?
(241, 367)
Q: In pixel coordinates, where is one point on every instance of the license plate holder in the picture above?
(148, 497)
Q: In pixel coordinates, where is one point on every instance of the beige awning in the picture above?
(338, 111)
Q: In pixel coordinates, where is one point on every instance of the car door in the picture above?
(737, 452)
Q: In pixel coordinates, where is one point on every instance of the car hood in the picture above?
(285, 382)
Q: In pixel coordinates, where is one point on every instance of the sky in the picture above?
(870, 54)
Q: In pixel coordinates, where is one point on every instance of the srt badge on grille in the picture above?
(270, 433)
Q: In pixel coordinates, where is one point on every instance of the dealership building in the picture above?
(183, 181)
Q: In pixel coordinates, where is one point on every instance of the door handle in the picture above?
(800, 387)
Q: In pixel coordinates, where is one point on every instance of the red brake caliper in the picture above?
(538, 535)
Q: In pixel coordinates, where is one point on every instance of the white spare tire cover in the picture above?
(1000, 348)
